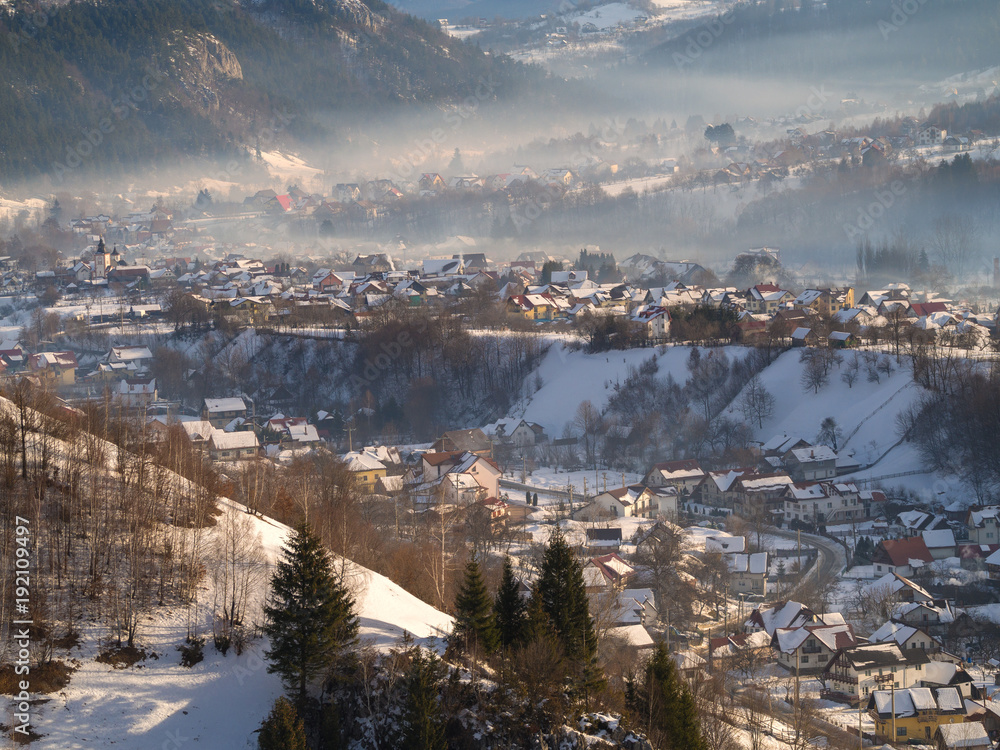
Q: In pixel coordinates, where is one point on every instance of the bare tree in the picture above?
(955, 241)
(850, 373)
(239, 571)
(757, 403)
(815, 374)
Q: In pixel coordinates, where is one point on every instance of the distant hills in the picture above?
(117, 84)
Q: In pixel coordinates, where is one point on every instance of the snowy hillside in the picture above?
(865, 412)
(219, 702)
(571, 377)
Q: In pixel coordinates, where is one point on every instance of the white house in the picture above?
(748, 573)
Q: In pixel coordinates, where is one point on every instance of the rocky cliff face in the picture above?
(201, 64)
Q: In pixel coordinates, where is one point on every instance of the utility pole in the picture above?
(524, 469)
(605, 481)
(350, 438)
(797, 722)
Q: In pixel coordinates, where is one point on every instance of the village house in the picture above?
(787, 615)
(761, 494)
(733, 651)
(469, 441)
(853, 673)
(656, 320)
(366, 468)
(901, 556)
(823, 503)
(607, 572)
(137, 392)
(915, 712)
(232, 446)
(967, 735)
(57, 368)
(748, 574)
(983, 524)
(633, 501)
(811, 464)
(905, 636)
(718, 487)
(220, 412)
(767, 298)
(457, 476)
(685, 475)
(808, 649)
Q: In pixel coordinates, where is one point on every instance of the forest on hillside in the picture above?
(139, 67)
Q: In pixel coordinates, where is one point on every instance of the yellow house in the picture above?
(531, 306)
(58, 367)
(826, 301)
(366, 468)
(918, 712)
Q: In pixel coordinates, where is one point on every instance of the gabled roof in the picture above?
(834, 637)
(753, 564)
(219, 405)
(687, 468)
(899, 552)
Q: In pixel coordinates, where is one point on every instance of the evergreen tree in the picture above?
(534, 499)
(424, 722)
(282, 729)
(561, 594)
(474, 625)
(563, 597)
(329, 729)
(527, 498)
(666, 706)
(310, 614)
(510, 611)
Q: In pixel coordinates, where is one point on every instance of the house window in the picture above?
(900, 731)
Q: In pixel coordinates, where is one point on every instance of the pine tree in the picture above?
(510, 611)
(527, 498)
(424, 723)
(310, 614)
(474, 625)
(666, 705)
(329, 729)
(282, 729)
(561, 594)
(563, 597)
(534, 499)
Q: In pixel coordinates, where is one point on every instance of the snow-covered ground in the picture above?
(572, 377)
(219, 702)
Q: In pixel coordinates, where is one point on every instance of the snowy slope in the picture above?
(221, 701)
(571, 377)
(868, 408)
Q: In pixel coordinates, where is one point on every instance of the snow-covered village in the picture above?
(480, 375)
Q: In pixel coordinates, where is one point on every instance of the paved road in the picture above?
(830, 561)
